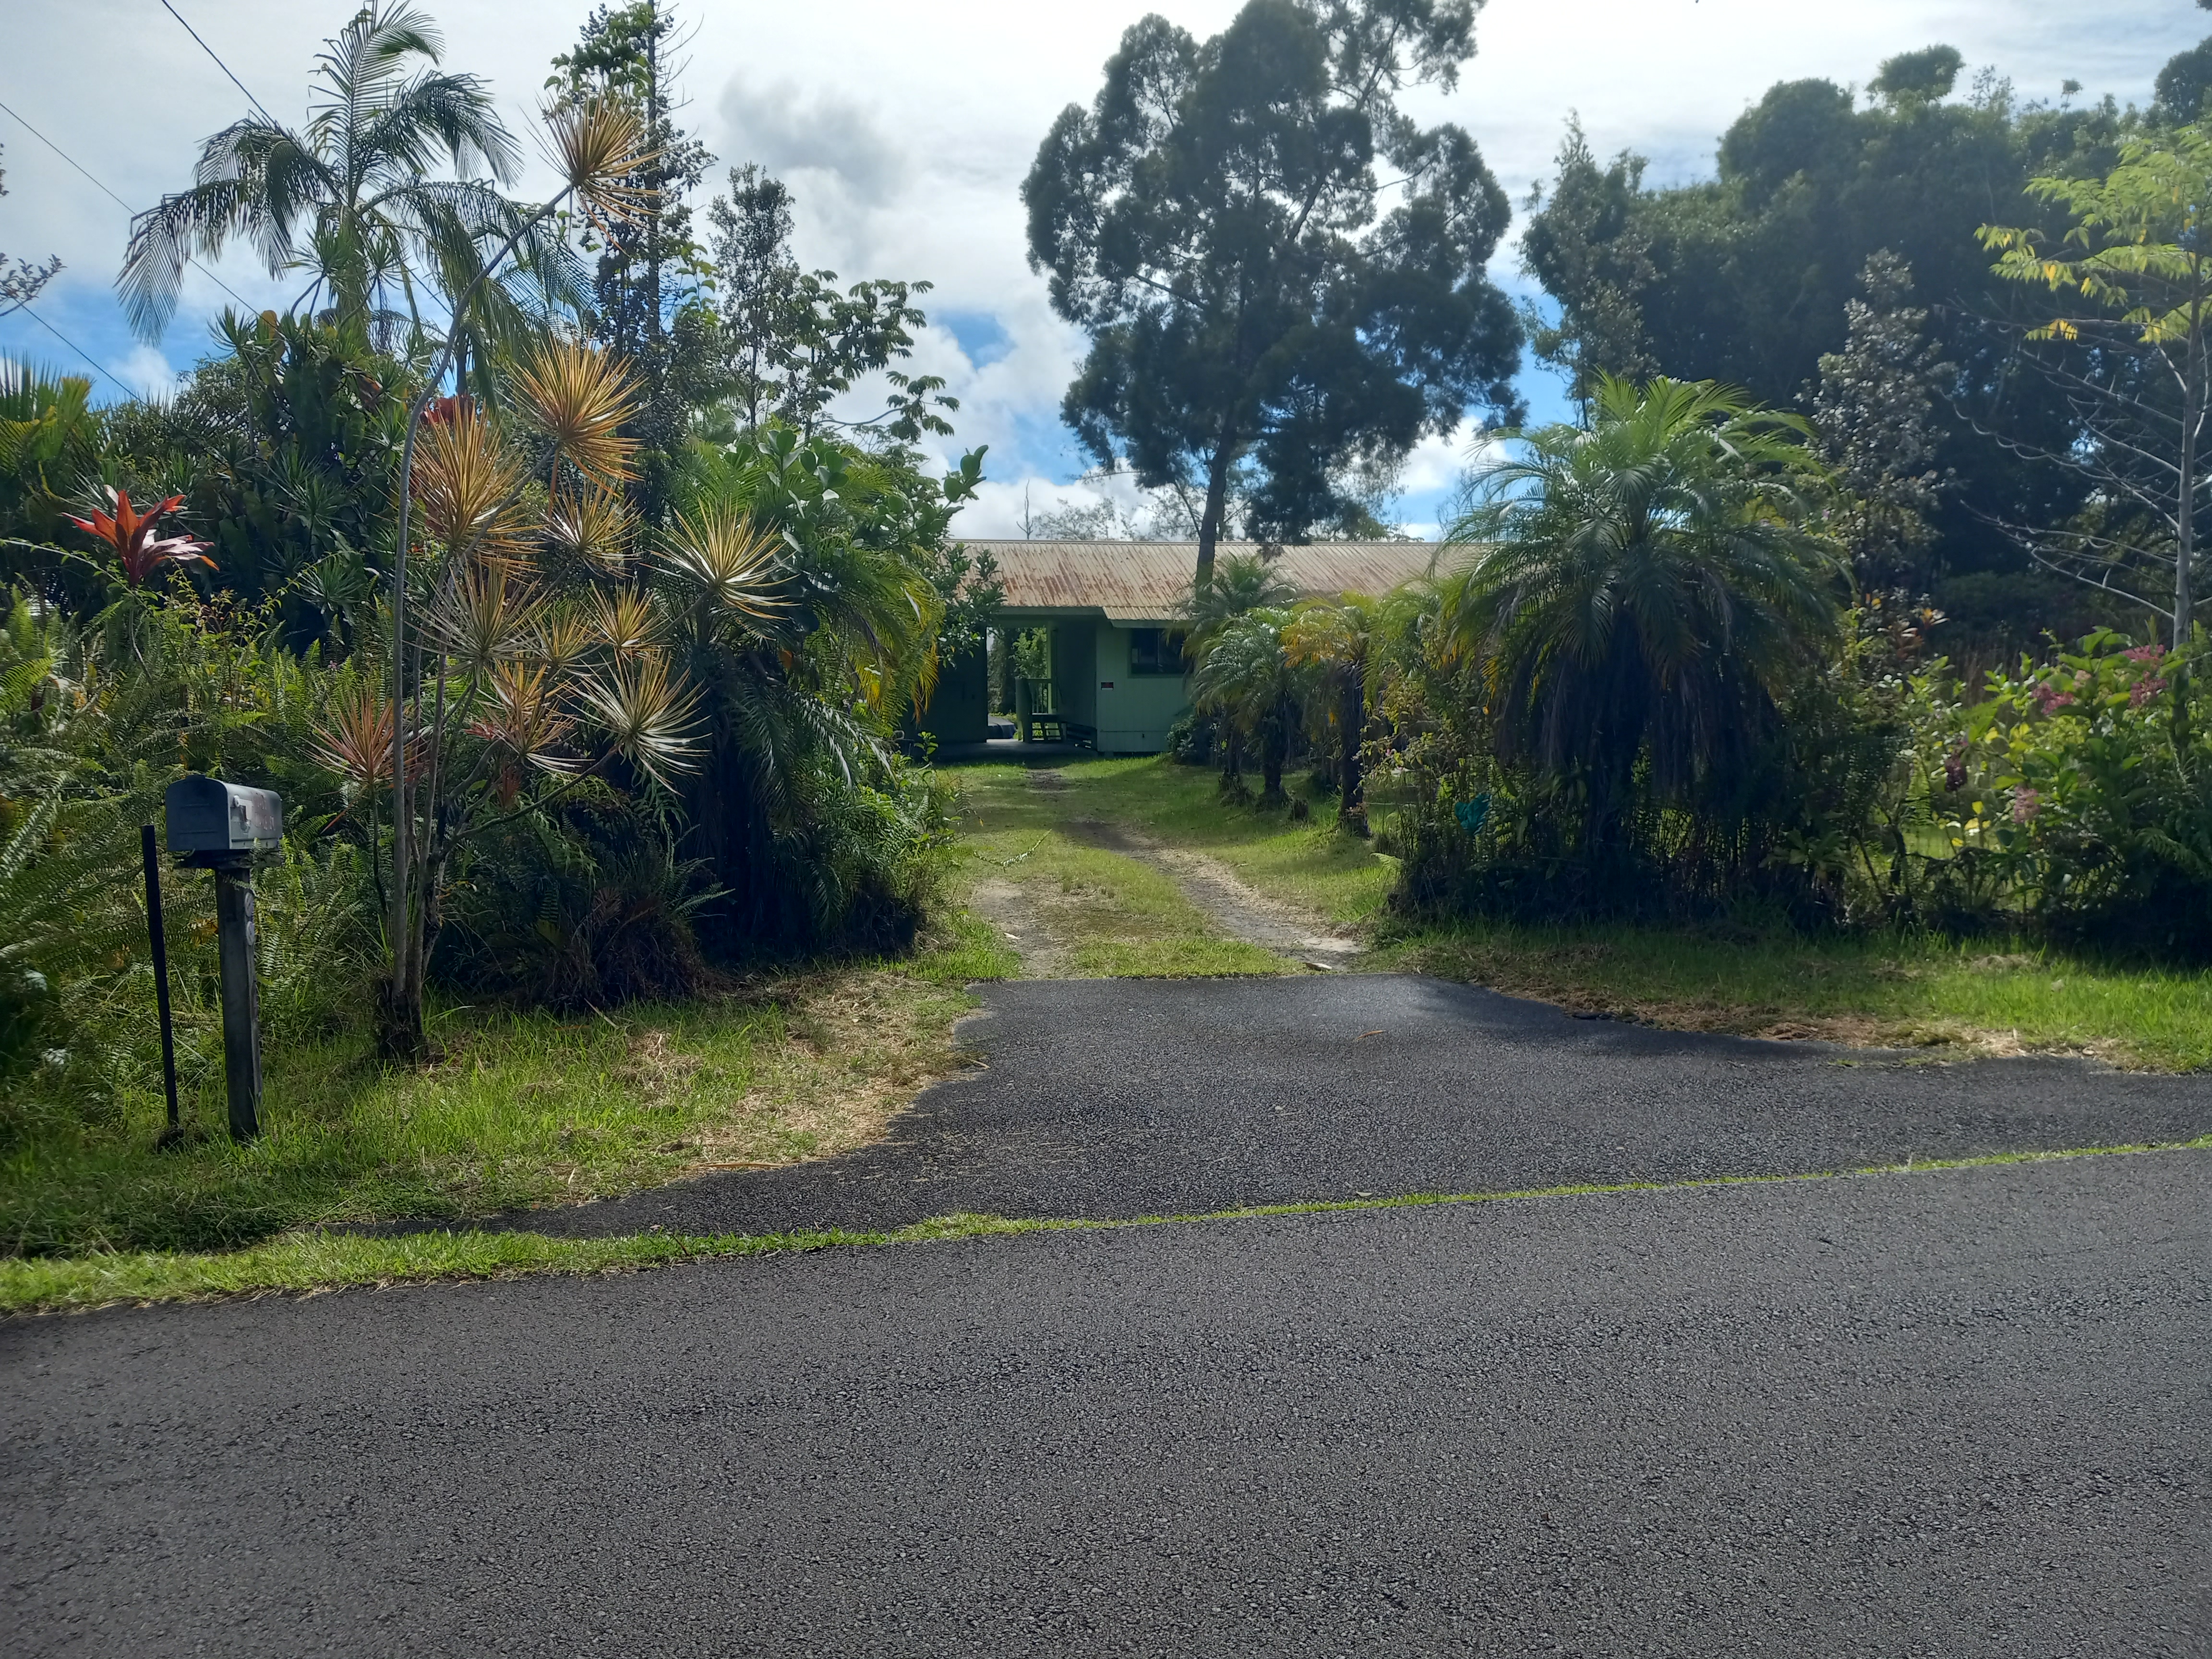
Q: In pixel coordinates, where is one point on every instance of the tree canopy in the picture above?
(1747, 279)
(350, 196)
(1256, 298)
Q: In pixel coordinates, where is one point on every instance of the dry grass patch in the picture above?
(860, 1045)
(524, 1110)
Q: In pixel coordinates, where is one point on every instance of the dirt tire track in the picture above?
(1236, 906)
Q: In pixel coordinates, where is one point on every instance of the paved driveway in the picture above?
(1953, 1412)
(1119, 1097)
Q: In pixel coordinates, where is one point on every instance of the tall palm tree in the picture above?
(1642, 591)
(1332, 640)
(1241, 582)
(347, 197)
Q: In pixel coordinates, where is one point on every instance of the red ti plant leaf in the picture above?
(131, 534)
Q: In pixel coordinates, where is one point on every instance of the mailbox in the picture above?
(211, 820)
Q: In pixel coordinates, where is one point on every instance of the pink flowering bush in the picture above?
(2081, 792)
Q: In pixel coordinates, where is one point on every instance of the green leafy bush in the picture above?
(2079, 789)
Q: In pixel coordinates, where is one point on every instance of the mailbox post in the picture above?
(220, 826)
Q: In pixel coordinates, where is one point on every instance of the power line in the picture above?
(25, 305)
(117, 200)
(219, 64)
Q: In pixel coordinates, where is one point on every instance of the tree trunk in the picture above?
(2184, 544)
(657, 178)
(1350, 804)
(1217, 503)
(1274, 754)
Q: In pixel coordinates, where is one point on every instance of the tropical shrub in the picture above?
(91, 733)
(1604, 683)
(2078, 791)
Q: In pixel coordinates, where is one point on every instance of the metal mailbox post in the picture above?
(219, 826)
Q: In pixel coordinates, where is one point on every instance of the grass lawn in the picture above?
(1335, 876)
(523, 1109)
(1974, 998)
(1970, 999)
(1109, 915)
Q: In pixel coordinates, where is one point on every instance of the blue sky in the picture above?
(905, 131)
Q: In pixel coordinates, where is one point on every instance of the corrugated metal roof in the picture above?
(1147, 582)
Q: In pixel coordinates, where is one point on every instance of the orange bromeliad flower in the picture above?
(131, 533)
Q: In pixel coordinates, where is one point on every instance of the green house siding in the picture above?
(959, 709)
(1094, 689)
(1093, 596)
(1134, 709)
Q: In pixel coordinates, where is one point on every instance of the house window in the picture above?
(1156, 650)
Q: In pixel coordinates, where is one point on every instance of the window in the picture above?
(1156, 650)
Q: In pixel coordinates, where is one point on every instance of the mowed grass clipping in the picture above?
(329, 1261)
(522, 1109)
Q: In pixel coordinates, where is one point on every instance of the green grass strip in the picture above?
(320, 1261)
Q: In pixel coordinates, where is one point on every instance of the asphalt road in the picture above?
(1121, 1097)
(1942, 1414)
(1953, 1413)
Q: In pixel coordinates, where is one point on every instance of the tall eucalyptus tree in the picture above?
(1216, 222)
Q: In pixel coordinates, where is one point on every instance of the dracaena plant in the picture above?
(597, 146)
(540, 671)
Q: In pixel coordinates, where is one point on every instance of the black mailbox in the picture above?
(209, 818)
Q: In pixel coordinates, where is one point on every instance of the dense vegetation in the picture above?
(539, 556)
(659, 635)
(1863, 594)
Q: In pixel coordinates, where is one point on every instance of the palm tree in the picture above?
(347, 197)
(1241, 583)
(1332, 640)
(1248, 680)
(801, 637)
(1642, 591)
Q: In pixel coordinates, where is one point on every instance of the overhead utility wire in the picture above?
(117, 200)
(219, 64)
(24, 305)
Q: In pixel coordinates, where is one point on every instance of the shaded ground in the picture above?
(1956, 1414)
(1122, 1097)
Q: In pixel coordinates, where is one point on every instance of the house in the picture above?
(1113, 612)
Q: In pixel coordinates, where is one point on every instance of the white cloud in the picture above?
(789, 130)
(145, 371)
(906, 131)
